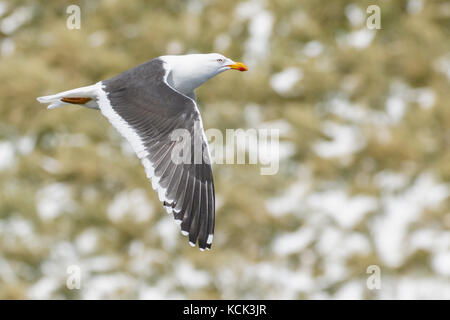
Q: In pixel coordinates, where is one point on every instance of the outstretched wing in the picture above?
(162, 125)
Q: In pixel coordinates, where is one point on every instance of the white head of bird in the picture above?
(191, 71)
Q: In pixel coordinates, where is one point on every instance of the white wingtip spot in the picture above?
(169, 210)
(201, 249)
(208, 249)
(155, 181)
(184, 233)
(161, 194)
(210, 239)
(149, 171)
(191, 244)
(178, 222)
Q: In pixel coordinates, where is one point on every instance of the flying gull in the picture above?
(147, 104)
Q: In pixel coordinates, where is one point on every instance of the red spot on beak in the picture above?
(239, 66)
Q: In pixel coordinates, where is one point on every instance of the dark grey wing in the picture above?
(162, 124)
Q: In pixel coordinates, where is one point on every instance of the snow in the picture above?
(399, 211)
(132, 204)
(16, 19)
(190, 277)
(168, 231)
(222, 42)
(7, 155)
(25, 145)
(260, 30)
(3, 7)
(96, 39)
(285, 80)
(44, 288)
(425, 97)
(7, 47)
(441, 263)
(54, 200)
(355, 15)
(312, 49)
(346, 140)
(389, 181)
(108, 286)
(414, 6)
(345, 210)
(442, 65)
(395, 108)
(415, 287)
(50, 165)
(87, 241)
(352, 290)
(358, 39)
(293, 242)
(293, 199)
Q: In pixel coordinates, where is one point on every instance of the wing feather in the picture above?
(146, 110)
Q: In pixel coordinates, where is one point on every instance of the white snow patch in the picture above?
(108, 286)
(26, 145)
(293, 242)
(293, 199)
(175, 47)
(190, 277)
(414, 6)
(168, 231)
(87, 241)
(3, 7)
(53, 200)
(390, 228)
(359, 39)
(222, 42)
(7, 155)
(352, 290)
(312, 49)
(415, 288)
(51, 165)
(395, 108)
(44, 288)
(252, 114)
(346, 211)
(389, 181)
(425, 97)
(132, 203)
(355, 15)
(16, 19)
(441, 263)
(442, 65)
(285, 80)
(7, 47)
(345, 141)
(96, 39)
(260, 29)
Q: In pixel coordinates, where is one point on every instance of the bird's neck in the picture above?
(185, 83)
(185, 77)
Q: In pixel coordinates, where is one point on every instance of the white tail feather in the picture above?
(87, 92)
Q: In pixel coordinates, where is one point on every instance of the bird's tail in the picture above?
(85, 96)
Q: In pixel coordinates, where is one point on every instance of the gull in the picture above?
(153, 106)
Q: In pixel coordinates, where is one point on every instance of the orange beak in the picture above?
(238, 66)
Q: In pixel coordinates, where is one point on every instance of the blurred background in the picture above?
(364, 176)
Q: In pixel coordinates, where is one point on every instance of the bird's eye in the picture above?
(220, 60)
